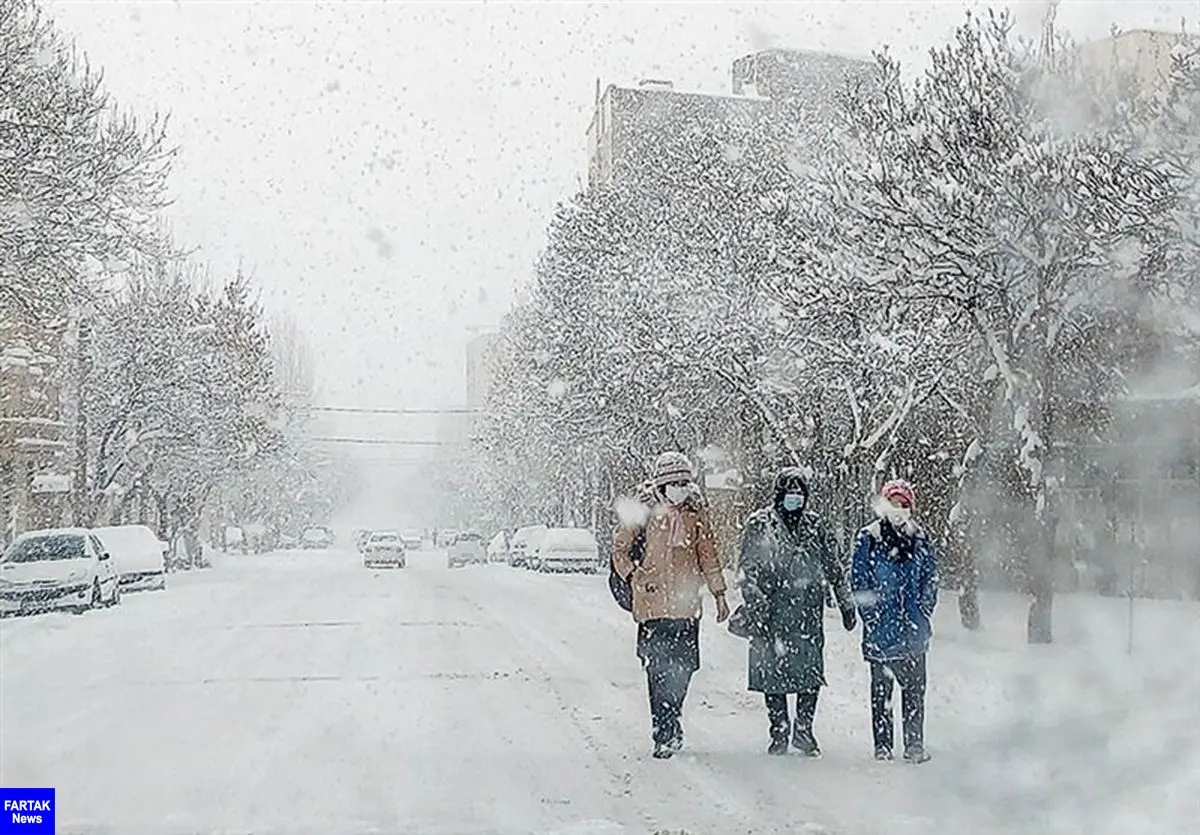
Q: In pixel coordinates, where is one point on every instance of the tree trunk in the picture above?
(960, 566)
(968, 597)
(1040, 624)
(968, 608)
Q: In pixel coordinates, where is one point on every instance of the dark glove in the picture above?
(849, 620)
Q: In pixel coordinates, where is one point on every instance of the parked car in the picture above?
(316, 536)
(139, 556)
(63, 568)
(497, 550)
(414, 540)
(467, 549)
(566, 549)
(385, 548)
(522, 544)
(446, 538)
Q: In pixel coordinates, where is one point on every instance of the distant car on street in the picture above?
(566, 549)
(316, 536)
(62, 568)
(414, 540)
(467, 549)
(385, 548)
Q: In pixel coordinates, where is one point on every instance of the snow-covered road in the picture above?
(300, 693)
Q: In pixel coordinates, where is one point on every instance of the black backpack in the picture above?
(621, 587)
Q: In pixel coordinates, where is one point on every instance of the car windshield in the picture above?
(45, 549)
(385, 537)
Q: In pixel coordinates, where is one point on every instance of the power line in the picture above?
(357, 410)
(379, 442)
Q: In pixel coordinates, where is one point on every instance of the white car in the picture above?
(385, 548)
(316, 537)
(138, 555)
(413, 540)
(566, 549)
(64, 568)
(522, 544)
(467, 549)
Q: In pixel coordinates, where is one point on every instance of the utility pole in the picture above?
(83, 368)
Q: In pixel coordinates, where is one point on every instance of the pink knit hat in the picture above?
(900, 492)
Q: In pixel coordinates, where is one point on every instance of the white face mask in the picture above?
(675, 493)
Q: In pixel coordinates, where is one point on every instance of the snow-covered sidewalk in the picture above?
(301, 693)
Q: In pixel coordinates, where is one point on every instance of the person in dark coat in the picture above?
(678, 560)
(787, 558)
(894, 575)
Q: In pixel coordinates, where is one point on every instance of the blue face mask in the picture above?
(793, 502)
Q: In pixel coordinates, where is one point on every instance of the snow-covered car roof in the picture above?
(54, 532)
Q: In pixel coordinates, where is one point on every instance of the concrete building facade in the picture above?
(481, 368)
(35, 466)
(1146, 54)
(629, 123)
(775, 88)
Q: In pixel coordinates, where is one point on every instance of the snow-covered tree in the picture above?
(976, 195)
(642, 330)
(178, 396)
(80, 183)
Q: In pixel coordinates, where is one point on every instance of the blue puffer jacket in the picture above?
(895, 594)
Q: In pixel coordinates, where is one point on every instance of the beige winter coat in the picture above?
(668, 582)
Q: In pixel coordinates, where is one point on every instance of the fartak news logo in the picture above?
(26, 811)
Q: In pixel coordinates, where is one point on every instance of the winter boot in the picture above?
(883, 754)
(916, 756)
(804, 741)
(802, 737)
(779, 722)
(675, 743)
(663, 751)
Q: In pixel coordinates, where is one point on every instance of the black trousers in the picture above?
(910, 674)
(668, 689)
(777, 712)
(670, 653)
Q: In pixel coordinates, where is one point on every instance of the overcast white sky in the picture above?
(387, 170)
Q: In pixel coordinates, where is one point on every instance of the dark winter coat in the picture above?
(784, 576)
(896, 592)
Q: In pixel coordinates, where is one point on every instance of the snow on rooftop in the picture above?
(675, 91)
(813, 53)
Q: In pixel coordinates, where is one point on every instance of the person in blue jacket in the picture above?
(894, 580)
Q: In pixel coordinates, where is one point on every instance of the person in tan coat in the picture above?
(665, 547)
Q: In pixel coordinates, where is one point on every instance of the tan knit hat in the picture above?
(672, 466)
